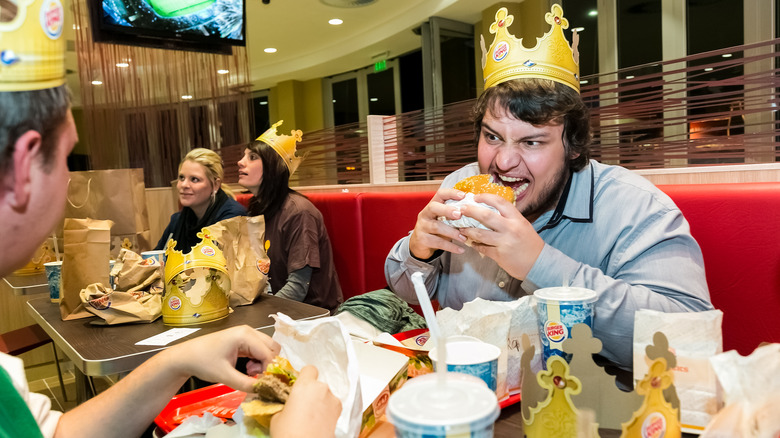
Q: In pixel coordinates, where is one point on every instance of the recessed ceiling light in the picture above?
(97, 82)
(187, 97)
(708, 69)
(593, 13)
(335, 21)
(122, 64)
(264, 102)
(374, 99)
(578, 29)
(222, 71)
(630, 77)
(269, 50)
(726, 55)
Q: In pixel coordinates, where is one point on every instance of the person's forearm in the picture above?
(127, 408)
(297, 285)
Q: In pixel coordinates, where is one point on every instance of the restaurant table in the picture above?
(27, 284)
(102, 350)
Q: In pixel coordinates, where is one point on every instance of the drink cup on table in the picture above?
(53, 274)
(156, 255)
(558, 310)
(470, 356)
(431, 407)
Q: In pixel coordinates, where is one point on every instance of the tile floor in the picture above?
(43, 379)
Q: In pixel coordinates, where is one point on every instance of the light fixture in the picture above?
(187, 97)
(630, 77)
(222, 71)
(374, 99)
(96, 82)
(593, 13)
(335, 21)
(264, 102)
(269, 50)
(726, 55)
(578, 29)
(584, 81)
(122, 64)
(708, 69)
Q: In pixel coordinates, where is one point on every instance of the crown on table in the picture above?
(284, 145)
(32, 50)
(552, 57)
(205, 254)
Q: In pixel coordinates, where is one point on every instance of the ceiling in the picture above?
(308, 47)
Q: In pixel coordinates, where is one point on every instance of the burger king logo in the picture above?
(654, 426)
(52, 18)
(263, 266)
(500, 52)
(555, 331)
(208, 251)
(101, 303)
(174, 303)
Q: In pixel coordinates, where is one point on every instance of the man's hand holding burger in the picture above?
(311, 410)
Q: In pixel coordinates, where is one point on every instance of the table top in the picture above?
(28, 284)
(100, 350)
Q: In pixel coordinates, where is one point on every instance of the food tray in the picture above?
(220, 400)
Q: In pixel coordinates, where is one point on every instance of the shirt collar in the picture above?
(576, 203)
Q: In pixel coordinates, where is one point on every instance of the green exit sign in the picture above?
(380, 65)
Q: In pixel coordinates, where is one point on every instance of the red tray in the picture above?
(220, 400)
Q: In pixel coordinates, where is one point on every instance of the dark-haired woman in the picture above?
(296, 240)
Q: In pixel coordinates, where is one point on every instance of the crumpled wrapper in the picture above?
(752, 394)
(132, 273)
(501, 323)
(116, 307)
(324, 343)
(465, 221)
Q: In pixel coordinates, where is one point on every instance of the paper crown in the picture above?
(32, 50)
(552, 57)
(205, 254)
(284, 145)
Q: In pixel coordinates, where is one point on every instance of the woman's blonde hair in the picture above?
(212, 162)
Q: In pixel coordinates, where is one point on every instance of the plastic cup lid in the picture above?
(566, 294)
(422, 404)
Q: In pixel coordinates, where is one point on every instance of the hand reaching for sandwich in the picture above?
(311, 410)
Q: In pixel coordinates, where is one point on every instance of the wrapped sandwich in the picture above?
(475, 185)
(273, 389)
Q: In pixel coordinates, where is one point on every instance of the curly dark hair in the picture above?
(539, 102)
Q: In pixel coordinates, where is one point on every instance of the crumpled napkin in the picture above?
(465, 221)
(324, 343)
(501, 323)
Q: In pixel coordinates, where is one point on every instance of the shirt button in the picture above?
(501, 284)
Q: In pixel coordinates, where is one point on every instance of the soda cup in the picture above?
(558, 309)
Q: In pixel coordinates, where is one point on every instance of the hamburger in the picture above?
(272, 390)
(475, 185)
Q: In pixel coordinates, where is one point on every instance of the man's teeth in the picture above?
(510, 179)
(520, 189)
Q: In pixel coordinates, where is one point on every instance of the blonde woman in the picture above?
(203, 199)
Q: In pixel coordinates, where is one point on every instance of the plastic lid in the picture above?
(566, 294)
(422, 406)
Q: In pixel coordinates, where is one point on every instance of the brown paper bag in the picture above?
(133, 274)
(241, 239)
(85, 261)
(116, 307)
(115, 194)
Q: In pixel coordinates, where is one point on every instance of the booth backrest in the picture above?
(736, 225)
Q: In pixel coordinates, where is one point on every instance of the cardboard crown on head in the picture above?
(551, 58)
(32, 50)
(284, 145)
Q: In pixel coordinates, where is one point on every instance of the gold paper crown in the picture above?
(284, 145)
(32, 50)
(552, 57)
(205, 254)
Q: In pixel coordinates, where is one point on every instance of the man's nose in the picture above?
(507, 159)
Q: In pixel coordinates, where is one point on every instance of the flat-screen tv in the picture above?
(198, 25)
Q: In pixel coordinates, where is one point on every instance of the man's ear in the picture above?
(18, 180)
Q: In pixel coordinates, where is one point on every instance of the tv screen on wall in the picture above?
(199, 25)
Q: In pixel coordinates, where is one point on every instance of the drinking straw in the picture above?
(433, 326)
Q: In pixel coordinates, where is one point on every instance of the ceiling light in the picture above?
(374, 99)
(335, 21)
(97, 82)
(187, 97)
(122, 64)
(593, 13)
(222, 71)
(578, 29)
(708, 69)
(347, 3)
(630, 77)
(264, 102)
(269, 50)
(584, 81)
(726, 55)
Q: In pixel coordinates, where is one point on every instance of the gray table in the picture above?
(27, 284)
(99, 350)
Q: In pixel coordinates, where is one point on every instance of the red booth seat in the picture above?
(737, 226)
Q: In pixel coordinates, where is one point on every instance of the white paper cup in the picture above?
(463, 406)
(53, 275)
(472, 357)
(155, 256)
(558, 310)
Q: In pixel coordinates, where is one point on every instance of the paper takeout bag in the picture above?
(116, 307)
(241, 240)
(133, 274)
(85, 261)
(118, 195)
(694, 337)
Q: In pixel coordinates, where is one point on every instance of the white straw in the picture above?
(433, 326)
